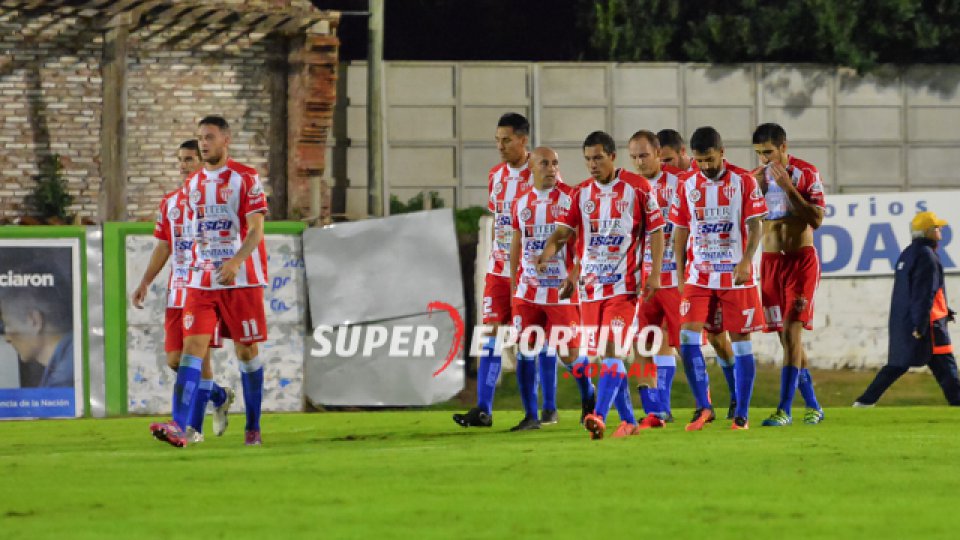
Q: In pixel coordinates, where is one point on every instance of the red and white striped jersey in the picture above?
(716, 213)
(535, 216)
(613, 221)
(805, 178)
(219, 202)
(169, 228)
(664, 186)
(505, 185)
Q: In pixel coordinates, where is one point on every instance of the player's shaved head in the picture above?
(545, 166)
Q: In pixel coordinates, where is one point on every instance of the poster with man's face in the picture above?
(40, 328)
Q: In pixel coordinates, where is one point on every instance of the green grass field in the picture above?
(864, 473)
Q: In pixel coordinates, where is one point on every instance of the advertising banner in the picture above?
(862, 235)
(41, 373)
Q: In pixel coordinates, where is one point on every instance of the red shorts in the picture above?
(240, 311)
(546, 316)
(173, 332)
(496, 300)
(664, 306)
(788, 282)
(613, 313)
(742, 313)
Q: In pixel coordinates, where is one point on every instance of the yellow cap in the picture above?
(926, 220)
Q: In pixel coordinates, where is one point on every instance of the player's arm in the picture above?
(680, 236)
(656, 254)
(157, 260)
(741, 273)
(560, 236)
(809, 213)
(254, 236)
(570, 284)
(514, 262)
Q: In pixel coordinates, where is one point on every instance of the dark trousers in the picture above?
(943, 367)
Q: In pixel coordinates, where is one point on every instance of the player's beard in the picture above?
(212, 158)
(711, 173)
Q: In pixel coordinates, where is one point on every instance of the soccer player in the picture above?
(507, 181)
(228, 270)
(789, 267)
(172, 239)
(549, 299)
(719, 210)
(674, 154)
(613, 212)
(663, 309)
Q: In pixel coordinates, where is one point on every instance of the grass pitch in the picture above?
(863, 473)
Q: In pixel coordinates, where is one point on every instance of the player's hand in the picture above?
(139, 296)
(567, 288)
(541, 265)
(741, 273)
(651, 286)
(228, 272)
(780, 175)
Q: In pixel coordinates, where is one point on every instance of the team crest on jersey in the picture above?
(622, 206)
(589, 207)
(173, 214)
(525, 214)
(195, 196)
(617, 323)
(188, 320)
(497, 188)
(730, 191)
(694, 195)
(684, 307)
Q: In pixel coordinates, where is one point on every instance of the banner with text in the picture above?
(863, 235)
(40, 323)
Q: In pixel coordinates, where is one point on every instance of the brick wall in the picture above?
(50, 101)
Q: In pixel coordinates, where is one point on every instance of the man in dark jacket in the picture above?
(919, 316)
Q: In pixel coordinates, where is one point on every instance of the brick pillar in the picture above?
(313, 93)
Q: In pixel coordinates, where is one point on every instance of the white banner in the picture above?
(863, 235)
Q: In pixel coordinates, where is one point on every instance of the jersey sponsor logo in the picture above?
(609, 280)
(724, 255)
(694, 195)
(713, 228)
(589, 207)
(606, 241)
(183, 245)
(536, 245)
(594, 269)
(503, 220)
(730, 191)
(255, 191)
(195, 196)
(665, 193)
(217, 225)
(556, 211)
(564, 202)
(723, 267)
(718, 212)
(756, 194)
(525, 214)
(816, 187)
(622, 206)
(226, 192)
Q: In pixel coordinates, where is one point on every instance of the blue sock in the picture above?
(200, 404)
(609, 385)
(788, 387)
(185, 389)
(650, 398)
(487, 374)
(695, 368)
(806, 389)
(580, 375)
(527, 381)
(217, 395)
(666, 371)
(746, 372)
(624, 402)
(548, 379)
(251, 376)
(727, 367)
